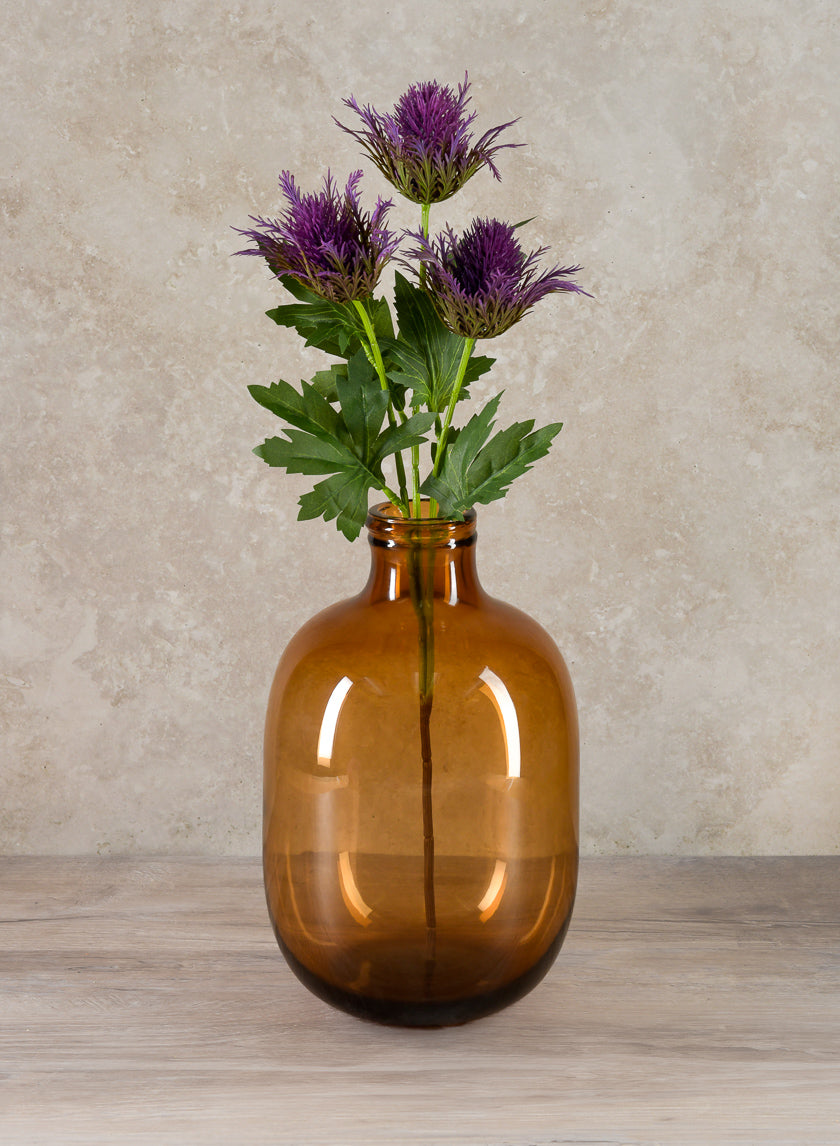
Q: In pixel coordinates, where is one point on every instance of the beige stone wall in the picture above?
(681, 543)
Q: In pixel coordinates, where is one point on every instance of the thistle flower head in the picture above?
(425, 146)
(326, 241)
(483, 282)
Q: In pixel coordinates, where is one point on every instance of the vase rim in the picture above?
(386, 526)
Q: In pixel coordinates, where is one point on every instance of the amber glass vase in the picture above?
(421, 789)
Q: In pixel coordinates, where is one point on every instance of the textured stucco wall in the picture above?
(681, 543)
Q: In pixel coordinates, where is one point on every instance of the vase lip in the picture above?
(386, 526)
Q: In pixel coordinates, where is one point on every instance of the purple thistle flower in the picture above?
(425, 147)
(483, 282)
(325, 240)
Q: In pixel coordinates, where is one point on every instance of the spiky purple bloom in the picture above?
(326, 241)
(425, 146)
(483, 282)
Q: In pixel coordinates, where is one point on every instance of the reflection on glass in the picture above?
(452, 580)
(503, 703)
(350, 891)
(495, 891)
(326, 736)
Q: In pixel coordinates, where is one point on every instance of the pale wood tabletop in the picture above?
(696, 1001)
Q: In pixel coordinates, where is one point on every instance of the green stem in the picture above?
(379, 366)
(395, 499)
(421, 581)
(423, 593)
(425, 211)
(372, 342)
(415, 450)
(415, 481)
(469, 345)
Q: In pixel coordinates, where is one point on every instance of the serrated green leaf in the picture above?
(380, 315)
(347, 443)
(478, 364)
(497, 452)
(335, 328)
(426, 355)
(471, 437)
(332, 327)
(519, 455)
(344, 497)
(363, 404)
(324, 381)
(402, 437)
(476, 471)
(321, 324)
(303, 453)
(307, 410)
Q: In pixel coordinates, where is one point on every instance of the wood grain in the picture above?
(696, 1001)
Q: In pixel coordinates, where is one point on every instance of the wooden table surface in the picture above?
(696, 1001)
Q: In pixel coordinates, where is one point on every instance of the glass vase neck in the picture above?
(387, 527)
(431, 554)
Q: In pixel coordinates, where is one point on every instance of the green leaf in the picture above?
(325, 381)
(471, 438)
(344, 497)
(380, 315)
(426, 355)
(363, 404)
(302, 453)
(321, 323)
(476, 471)
(308, 410)
(335, 328)
(298, 290)
(348, 444)
(331, 326)
(402, 437)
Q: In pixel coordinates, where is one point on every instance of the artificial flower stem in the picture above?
(424, 228)
(415, 451)
(424, 219)
(469, 346)
(396, 500)
(372, 342)
(379, 366)
(415, 480)
(421, 585)
(425, 210)
(426, 677)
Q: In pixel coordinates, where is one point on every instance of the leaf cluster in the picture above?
(346, 441)
(345, 423)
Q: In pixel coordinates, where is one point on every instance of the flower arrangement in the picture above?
(394, 388)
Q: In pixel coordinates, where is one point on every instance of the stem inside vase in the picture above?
(421, 574)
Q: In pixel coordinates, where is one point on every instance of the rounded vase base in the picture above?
(426, 1012)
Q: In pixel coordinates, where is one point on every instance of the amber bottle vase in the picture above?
(421, 789)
